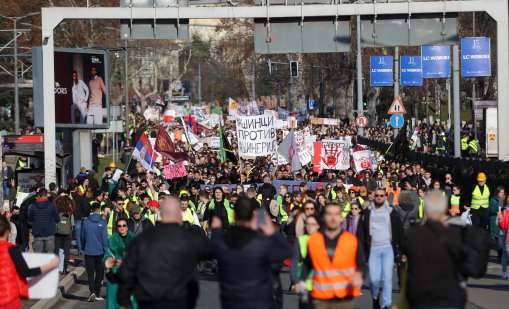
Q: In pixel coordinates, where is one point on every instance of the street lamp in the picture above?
(15, 19)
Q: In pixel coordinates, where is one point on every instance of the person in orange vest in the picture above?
(336, 260)
(394, 190)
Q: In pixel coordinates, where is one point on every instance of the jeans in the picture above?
(44, 244)
(7, 189)
(381, 265)
(95, 273)
(77, 234)
(63, 242)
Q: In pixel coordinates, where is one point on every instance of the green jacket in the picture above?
(493, 211)
(116, 249)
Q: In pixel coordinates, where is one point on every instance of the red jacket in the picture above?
(11, 284)
(503, 221)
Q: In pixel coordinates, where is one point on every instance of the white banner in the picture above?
(300, 140)
(362, 160)
(332, 156)
(214, 142)
(256, 135)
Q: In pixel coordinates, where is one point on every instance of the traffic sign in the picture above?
(397, 121)
(361, 121)
(397, 107)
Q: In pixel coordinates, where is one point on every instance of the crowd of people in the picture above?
(136, 230)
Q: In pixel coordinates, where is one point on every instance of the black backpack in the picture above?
(64, 226)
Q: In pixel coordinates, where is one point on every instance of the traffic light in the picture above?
(294, 68)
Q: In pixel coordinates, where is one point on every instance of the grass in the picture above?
(104, 162)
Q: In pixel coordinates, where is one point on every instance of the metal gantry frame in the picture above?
(52, 17)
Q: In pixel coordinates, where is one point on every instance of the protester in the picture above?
(244, 257)
(159, 267)
(64, 228)
(15, 270)
(336, 261)
(137, 224)
(117, 244)
(434, 253)
(43, 216)
(94, 239)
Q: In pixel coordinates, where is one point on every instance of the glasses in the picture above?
(309, 208)
(379, 195)
(287, 196)
(355, 209)
(121, 225)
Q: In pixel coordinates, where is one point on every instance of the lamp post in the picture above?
(15, 19)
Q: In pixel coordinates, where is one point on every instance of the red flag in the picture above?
(165, 146)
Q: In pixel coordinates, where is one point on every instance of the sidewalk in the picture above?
(490, 291)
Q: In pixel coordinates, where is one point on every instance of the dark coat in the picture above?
(160, 265)
(433, 268)
(43, 216)
(245, 266)
(398, 235)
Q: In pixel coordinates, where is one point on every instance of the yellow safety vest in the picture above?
(229, 210)
(480, 200)
(421, 208)
(188, 216)
(303, 245)
(455, 204)
(346, 210)
(464, 143)
(474, 145)
(110, 222)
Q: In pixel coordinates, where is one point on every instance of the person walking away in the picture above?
(336, 261)
(43, 216)
(245, 254)
(480, 203)
(381, 233)
(434, 252)
(160, 265)
(503, 224)
(94, 239)
(117, 244)
(15, 270)
(64, 228)
(300, 253)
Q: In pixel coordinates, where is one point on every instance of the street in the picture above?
(489, 292)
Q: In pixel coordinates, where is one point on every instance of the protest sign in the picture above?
(175, 170)
(256, 135)
(329, 155)
(362, 160)
(214, 142)
(45, 285)
(300, 140)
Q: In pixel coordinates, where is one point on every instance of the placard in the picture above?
(329, 155)
(256, 135)
(175, 170)
(45, 285)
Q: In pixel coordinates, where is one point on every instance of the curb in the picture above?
(63, 286)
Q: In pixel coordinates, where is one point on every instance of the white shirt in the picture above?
(79, 92)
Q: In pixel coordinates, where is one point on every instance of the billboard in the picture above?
(81, 88)
(381, 71)
(436, 61)
(475, 57)
(410, 71)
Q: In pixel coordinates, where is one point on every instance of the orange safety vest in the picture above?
(333, 279)
(389, 190)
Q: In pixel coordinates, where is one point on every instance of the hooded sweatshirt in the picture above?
(94, 235)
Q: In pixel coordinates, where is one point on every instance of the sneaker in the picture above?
(504, 275)
(92, 298)
(99, 298)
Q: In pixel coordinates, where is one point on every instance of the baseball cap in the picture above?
(136, 209)
(153, 203)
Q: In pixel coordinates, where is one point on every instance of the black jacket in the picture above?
(132, 225)
(398, 235)
(433, 267)
(160, 265)
(245, 266)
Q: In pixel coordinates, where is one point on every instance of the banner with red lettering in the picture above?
(362, 160)
(175, 170)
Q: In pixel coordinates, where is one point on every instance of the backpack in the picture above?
(64, 226)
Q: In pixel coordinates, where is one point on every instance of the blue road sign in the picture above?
(436, 61)
(381, 71)
(411, 71)
(475, 57)
(397, 121)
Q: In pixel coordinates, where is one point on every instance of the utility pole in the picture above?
(360, 106)
(396, 79)
(16, 89)
(199, 82)
(127, 106)
(253, 84)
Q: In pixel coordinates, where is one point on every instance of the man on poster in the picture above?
(95, 102)
(80, 94)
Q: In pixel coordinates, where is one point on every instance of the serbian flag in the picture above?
(165, 146)
(144, 153)
(191, 123)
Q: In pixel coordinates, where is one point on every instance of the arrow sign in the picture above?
(397, 121)
(397, 107)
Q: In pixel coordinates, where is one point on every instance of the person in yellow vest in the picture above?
(337, 261)
(117, 213)
(455, 207)
(153, 214)
(300, 254)
(22, 163)
(421, 192)
(188, 215)
(473, 148)
(219, 207)
(464, 146)
(480, 202)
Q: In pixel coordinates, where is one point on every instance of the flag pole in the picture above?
(187, 135)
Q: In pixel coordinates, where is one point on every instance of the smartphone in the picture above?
(260, 214)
